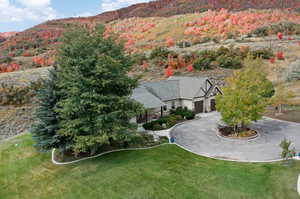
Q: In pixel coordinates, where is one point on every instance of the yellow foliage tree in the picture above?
(245, 96)
(281, 97)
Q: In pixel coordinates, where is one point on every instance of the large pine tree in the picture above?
(95, 107)
(44, 130)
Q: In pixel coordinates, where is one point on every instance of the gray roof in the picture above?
(165, 90)
(154, 94)
(143, 96)
(190, 87)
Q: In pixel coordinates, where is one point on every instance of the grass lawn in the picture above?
(164, 172)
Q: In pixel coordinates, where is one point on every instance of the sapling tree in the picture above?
(245, 96)
(287, 151)
(281, 97)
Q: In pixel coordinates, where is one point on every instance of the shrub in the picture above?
(287, 27)
(160, 53)
(226, 61)
(148, 125)
(208, 53)
(189, 57)
(205, 59)
(190, 115)
(230, 35)
(139, 58)
(216, 40)
(203, 64)
(205, 10)
(265, 53)
(157, 125)
(287, 151)
(19, 52)
(153, 125)
(171, 120)
(184, 113)
(261, 32)
(5, 59)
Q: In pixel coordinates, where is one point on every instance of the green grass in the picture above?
(164, 172)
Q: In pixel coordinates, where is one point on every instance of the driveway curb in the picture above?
(231, 160)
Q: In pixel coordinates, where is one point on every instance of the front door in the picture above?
(199, 107)
(213, 105)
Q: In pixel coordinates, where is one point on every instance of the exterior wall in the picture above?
(188, 103)
(169, 104)
(208, 104)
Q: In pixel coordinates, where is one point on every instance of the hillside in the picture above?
(36, 47)
(7, 34)
(45, 36)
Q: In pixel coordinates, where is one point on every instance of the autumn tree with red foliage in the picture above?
(6, 68)
(280, 36)
(280, 55)
(190, 68)
(169, 72)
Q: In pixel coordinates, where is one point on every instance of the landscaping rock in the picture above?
(15, 120)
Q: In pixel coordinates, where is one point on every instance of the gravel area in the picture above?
(15, 120)
(24, 78)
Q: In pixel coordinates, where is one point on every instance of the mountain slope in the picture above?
(166, 8)
(41, 41)
(7, 34)
(159, 8)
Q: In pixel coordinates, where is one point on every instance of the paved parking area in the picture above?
(199, 136)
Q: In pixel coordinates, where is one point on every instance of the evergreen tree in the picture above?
(246, 95)
(95, 107)
(44, 130)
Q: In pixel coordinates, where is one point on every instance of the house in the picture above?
(195, 93)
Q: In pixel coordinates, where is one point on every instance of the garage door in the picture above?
(213, 105)
(199, 107)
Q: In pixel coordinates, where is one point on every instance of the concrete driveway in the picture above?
(199, 136)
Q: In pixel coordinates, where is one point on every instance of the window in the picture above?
(173, 105)
(165, 108)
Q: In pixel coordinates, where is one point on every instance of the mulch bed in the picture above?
(229, 132)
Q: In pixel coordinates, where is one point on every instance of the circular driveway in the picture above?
(199, 136)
